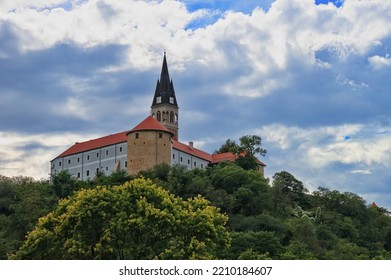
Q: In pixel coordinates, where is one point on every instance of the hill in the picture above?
(266, 220)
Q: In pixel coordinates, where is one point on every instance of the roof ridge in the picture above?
(150, 123)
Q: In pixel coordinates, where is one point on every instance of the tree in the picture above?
(287, 192)
(289, 183)
(251, 145)
(22, 202)
(136, 220)
(64, 184)
(246, 151)
(228, 146)
(259, 242)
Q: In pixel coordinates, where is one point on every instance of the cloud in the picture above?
(361, 171)
(314, 154)
(29, 154)
(379, 62)
(323, 146)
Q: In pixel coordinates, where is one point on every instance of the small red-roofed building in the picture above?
(153, 141)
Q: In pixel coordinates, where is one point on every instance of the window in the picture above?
(160, 135)
(97, 154)
(195, 164)
(78, 159)
(59, 164)
(97, 171)
(159, 116)
(181, 159)
(120, 149)
(202, 165)
(88, 157)
(137, 135)
(173, 156)
(69, 161)
(78, 175)
(126, 163)
(107, 152)
(165, 116)
(188, 161)
(88, 173)
(172, 117)
(107, 168)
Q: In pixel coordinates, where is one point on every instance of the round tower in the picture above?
(149, 144)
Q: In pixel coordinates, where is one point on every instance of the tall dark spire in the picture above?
(164, 105)
(164, 92)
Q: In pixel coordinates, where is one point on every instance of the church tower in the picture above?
(164, 106)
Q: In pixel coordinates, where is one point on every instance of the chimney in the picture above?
(191, 144)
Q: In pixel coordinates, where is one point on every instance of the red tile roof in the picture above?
(95, 144)
(229, 156)
(191, 150)
(150, 123)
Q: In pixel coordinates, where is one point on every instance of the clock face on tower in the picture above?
(172, 100)
(159, 99)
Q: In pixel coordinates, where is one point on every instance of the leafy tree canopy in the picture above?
(249, 144)
(136, 220)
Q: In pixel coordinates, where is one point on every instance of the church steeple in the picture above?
(164, 104)
(164, 92)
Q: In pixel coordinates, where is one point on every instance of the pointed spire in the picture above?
(164, 92)
(164, 76)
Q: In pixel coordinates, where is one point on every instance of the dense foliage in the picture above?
(280, 219)
(136, 220)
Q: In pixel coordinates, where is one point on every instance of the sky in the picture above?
(312, 78)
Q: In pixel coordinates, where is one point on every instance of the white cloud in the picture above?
(321, 147)
(29, 155)
(20, 5)
(265, 43)
(379, 62)
(361, 171)
(363, 151)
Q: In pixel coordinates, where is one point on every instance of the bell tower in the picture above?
(164, 106)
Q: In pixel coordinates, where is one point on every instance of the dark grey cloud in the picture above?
(32, 83)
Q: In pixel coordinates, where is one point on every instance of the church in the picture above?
(153, 141)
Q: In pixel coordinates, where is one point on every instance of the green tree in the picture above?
(228, 146)
(64, 184)
(22, 202)
(136, 220)
(287, 193)
(246, 151)
(258, 243)
(248, 188)
(251, 145)
(298, 251)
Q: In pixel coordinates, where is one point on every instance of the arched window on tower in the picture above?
(172, 117)
(176, 118)
(166, 116)
(159, 116)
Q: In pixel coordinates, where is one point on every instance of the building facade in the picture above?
(153, 141)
